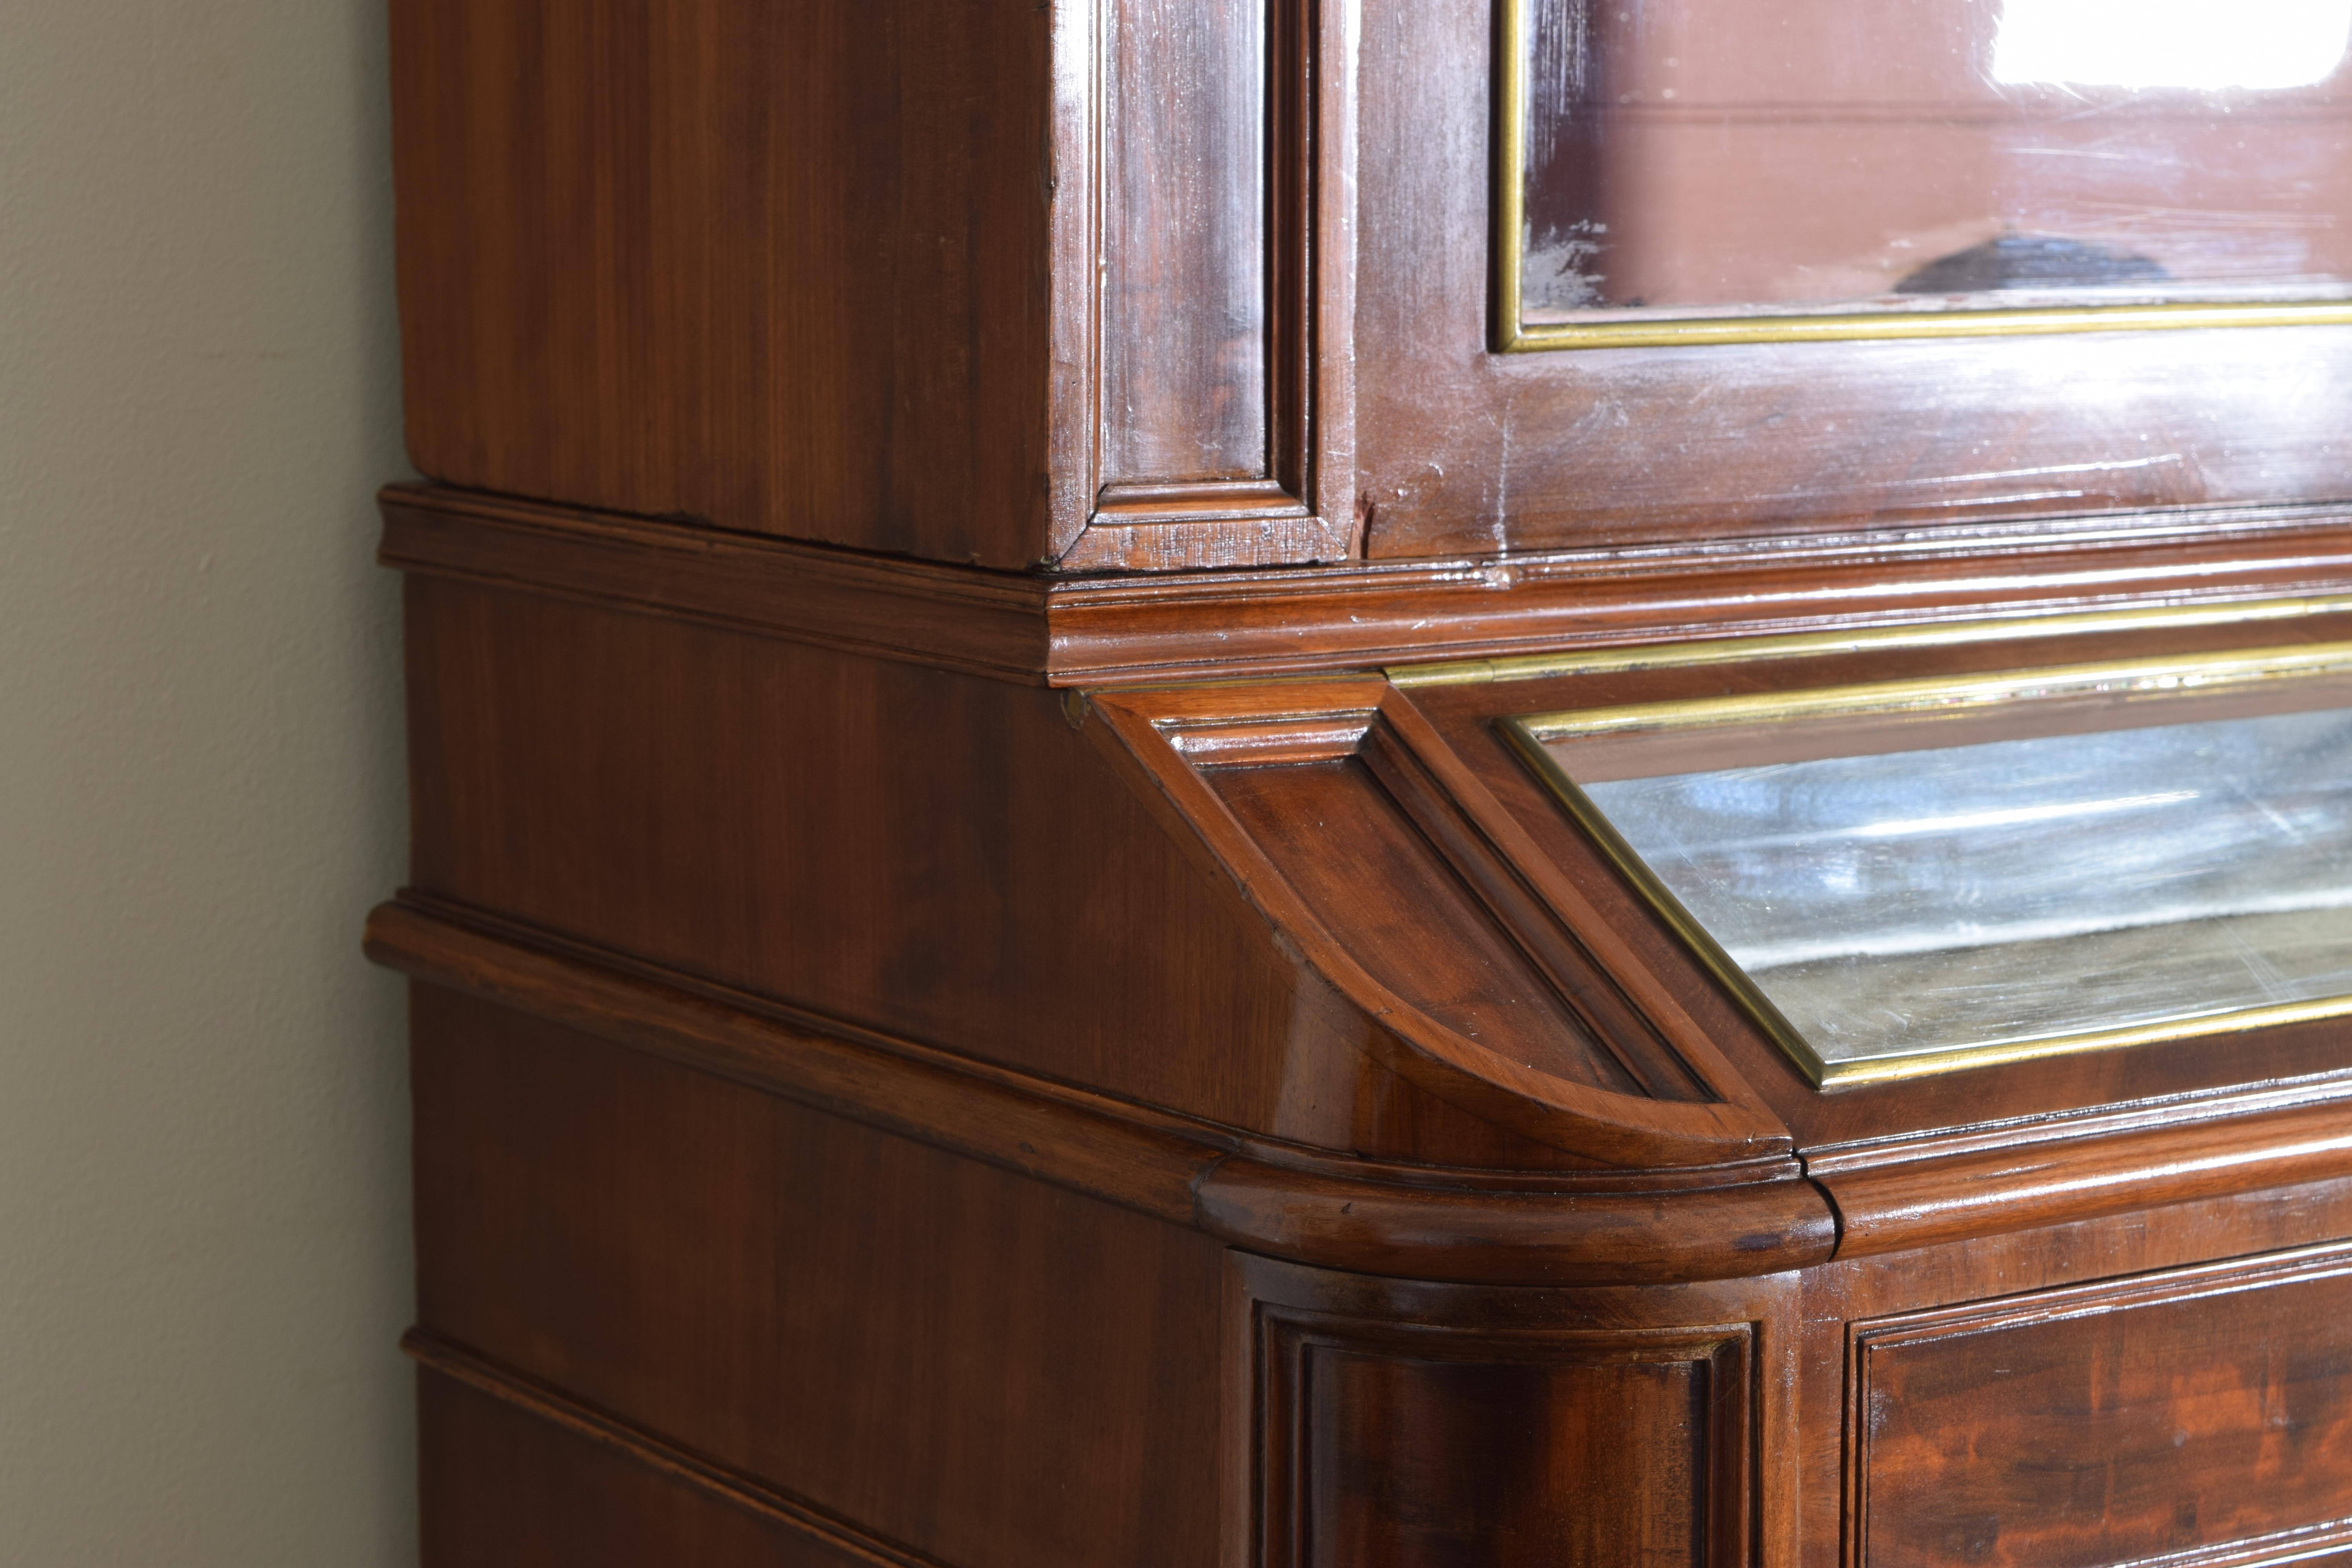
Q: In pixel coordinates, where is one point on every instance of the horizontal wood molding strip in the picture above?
(1112, 630)
(1107, 631)
(2023, 1183)
(962, 618)
(1288, 1204)
(727, 1485)
(1548, 1238)
(1097, 1145)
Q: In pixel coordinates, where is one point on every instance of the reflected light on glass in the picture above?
(2193, 43)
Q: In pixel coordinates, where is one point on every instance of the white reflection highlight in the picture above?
(1964, 821)
(2196, 44)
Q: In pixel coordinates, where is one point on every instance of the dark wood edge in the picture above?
(723, 1483)
(948, 617)
(1302, 1205)
(1620, 1129)
(1132, 626)
(2096, 1168)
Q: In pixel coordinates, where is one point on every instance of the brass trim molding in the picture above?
(1815, 645)
(2156, 678)
(1514, 335)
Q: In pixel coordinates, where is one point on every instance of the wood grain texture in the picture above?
(783, 270)
(502, 1487)
(1188, 112)
(847, 1317)
(500, 1450)
(1132, 628)
(1430, 1450)
(960, 863)
(1278, 1200)
(2199, 1417)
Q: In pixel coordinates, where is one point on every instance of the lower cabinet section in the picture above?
(2201, 1417)
(1394, 1447)
(668, 1317)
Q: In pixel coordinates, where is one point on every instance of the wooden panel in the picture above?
(1393, 1448)
(847, 1316)
(2186, 1413)
(1406, 916)
(502, 1488)
(1468, 450)
(1186, 242)
(1226, 395)
(779, 269)
(1117, 629)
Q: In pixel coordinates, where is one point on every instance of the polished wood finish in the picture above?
(2194, 1413)
(987, 990)
(789, 233)
(667, 1249)
(1137, 628)
(1394, 1445)
(1458, 1056)
(1136, 285)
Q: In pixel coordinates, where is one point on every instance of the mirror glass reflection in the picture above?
(1716, 156)
(1899, 901)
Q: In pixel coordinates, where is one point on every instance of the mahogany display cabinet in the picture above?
(1378, 784)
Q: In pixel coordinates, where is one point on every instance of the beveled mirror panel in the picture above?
(1713, 170)
(1924, 875)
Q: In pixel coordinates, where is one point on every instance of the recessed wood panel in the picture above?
(1401, 1449)
(2204, 1415)
(1185, 240)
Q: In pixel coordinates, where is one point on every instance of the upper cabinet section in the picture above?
(1118, 285)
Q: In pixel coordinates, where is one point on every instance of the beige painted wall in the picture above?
(204, 1257)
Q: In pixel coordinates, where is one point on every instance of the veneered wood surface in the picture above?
(1185, 238)
(1131, 628)
(777, 270)
(499, 1487)
(852, 1318)
(886, 845)
(957, 862)
(2113, 1425)
(1340, 1211)
(1444, 1451)
(1395, 902)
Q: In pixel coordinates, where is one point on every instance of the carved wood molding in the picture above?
(1384, 1442)
(1121, 241)
(1305, 1206)
(1113, 630)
